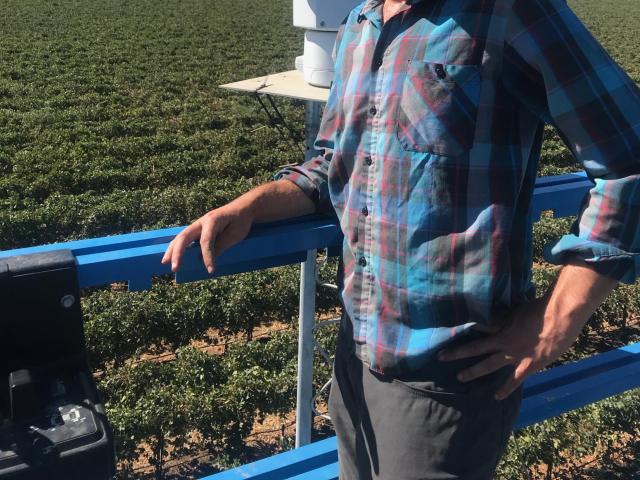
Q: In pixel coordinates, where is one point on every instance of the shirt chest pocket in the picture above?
(438, 107)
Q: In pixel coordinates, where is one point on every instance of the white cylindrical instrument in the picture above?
(321, 19)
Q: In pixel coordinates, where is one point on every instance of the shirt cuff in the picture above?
(603, 258)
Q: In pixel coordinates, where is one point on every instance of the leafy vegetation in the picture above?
(111, 121)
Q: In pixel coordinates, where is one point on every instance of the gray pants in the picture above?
(427, 426)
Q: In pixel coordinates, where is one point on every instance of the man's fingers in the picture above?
(507, 389)
(178, 251)
(180, 244)
(207, 247)
(166, 258)
(521, 372)
(471, 349)
(209, 243)
(485, 367)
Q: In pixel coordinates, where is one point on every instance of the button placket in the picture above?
(377, 128)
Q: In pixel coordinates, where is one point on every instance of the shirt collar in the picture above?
(371, 5)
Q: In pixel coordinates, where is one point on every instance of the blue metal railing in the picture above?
(135, 257)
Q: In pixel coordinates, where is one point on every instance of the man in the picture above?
(431, 140)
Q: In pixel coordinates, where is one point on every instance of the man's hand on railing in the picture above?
(217, 231)
(223, 227)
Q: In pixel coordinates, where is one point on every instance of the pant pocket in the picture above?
(431, 432)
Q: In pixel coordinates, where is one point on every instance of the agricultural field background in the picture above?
(111, 121)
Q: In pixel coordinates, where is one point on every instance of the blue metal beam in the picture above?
(574, 385)
(584, 368)
(135, 257)
(560, 179)
(286, 465)
(563, 199)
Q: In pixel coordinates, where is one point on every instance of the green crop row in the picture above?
(199, 402)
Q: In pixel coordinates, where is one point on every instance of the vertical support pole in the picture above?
(304, 412)
(312, 117)
(305, 349)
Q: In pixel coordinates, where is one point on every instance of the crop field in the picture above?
(111, 121)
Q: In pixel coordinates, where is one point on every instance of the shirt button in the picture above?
(373, 111)
(368, 161)
(362, 262)
(365, 211)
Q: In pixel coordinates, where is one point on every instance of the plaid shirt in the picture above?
(431, 139)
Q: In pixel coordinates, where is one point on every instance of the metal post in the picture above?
(305, 349)
(304, 408)
(312, 117)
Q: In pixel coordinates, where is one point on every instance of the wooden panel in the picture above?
(286, 84)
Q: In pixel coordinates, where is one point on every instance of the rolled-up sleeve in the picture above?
(560, 72)
(312, 176)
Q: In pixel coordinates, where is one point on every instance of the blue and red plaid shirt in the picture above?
(431, 139)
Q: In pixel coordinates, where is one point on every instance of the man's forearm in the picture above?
(274, 201)
(573, 298)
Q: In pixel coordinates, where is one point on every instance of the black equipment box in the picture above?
(52, 422)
